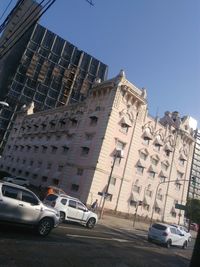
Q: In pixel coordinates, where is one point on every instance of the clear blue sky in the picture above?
(156, 42)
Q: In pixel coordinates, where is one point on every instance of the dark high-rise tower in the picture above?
(49, 71)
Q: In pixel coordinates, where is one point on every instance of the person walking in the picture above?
(94, 205)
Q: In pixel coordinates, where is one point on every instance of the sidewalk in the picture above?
(117, 222)
(127, 224)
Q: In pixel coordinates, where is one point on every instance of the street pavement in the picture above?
(112, 243)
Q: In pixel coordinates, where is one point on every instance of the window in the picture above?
(146, 141)
(44, 149)
(49, 166)
(136, 188)
(93, 120)
(164, 166)
(85, 151)
(54, 149)
(113, 181)
(157, 210)
(143, 155)
(80, 206)
(55, 181)
(9, 191)
(124, 127)
(79, 171)
(72, 204)
(120, 145)
(60, 168)
(149, 193)
(63, 201)
(140, 169)
(74, 187)
(44, 178)
(154, 161)
(89, 136)
(65, 149)
(152, 174)
(162, 179)
(181, 162)
(30, 198)
(167, 153)
(157, 147)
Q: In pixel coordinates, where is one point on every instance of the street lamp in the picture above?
(164, 182)
(3, 103)
(118, 154)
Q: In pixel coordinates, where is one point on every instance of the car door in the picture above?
(9, 203)
(71, 213)
(82, 212)
(29, 207)
(180, 238)
(173, 235)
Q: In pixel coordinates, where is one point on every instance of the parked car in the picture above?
(19, 205)
(167, 235)
(184, 231)
(72, 209)
(17, 180)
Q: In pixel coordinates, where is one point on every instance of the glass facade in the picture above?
(51, 73)
(194, 187)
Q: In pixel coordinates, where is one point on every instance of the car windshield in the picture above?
(51, 197)
(159, 226)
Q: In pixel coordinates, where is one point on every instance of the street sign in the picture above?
(180, 206)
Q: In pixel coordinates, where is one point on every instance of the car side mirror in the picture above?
(85, 210)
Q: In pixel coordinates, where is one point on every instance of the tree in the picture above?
(193, 210)
(193, 213)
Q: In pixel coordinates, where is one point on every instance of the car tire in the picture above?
(62, 216)
(185, 244)
(45, 226)
(190, 239)
(91, 223)
(169, 243)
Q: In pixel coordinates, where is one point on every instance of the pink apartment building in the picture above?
(75, 146)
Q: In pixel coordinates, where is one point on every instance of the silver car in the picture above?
(167, 235)
(20, 205)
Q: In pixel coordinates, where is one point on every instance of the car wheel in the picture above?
(62, 216)
(45, 226)
(91, 223)
(190, 239)
(184, 245)
(169, 243)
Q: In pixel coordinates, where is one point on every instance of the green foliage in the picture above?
(193, 210)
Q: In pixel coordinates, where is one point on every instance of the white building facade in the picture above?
(74, 147)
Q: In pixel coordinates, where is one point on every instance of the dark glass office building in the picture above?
(194, 185)
(51, 72)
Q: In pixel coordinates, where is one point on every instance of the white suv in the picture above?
(167, 235)
(72, 209)
(17, 180)
(21, 206)
(184, 231)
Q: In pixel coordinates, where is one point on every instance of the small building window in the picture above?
(140, 169)
(79, 171)
(55, 181)
(74, 187)
(152, 174)
(93, 120)
(60, 168)
(113, 181)
(54, 149)
(44, 178)
(65, 149)
(85, 151)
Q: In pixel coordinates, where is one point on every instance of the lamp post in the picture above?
(164, 182)
(118, 154)
(3, 103)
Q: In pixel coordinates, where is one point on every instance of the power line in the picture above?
(6, 9)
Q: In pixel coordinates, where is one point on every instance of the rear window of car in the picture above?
(51, 197)
(159, 226)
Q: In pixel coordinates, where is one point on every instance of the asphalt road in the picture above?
(75, 246)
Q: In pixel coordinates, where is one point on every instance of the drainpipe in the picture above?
(171, 167)
(126, 162)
